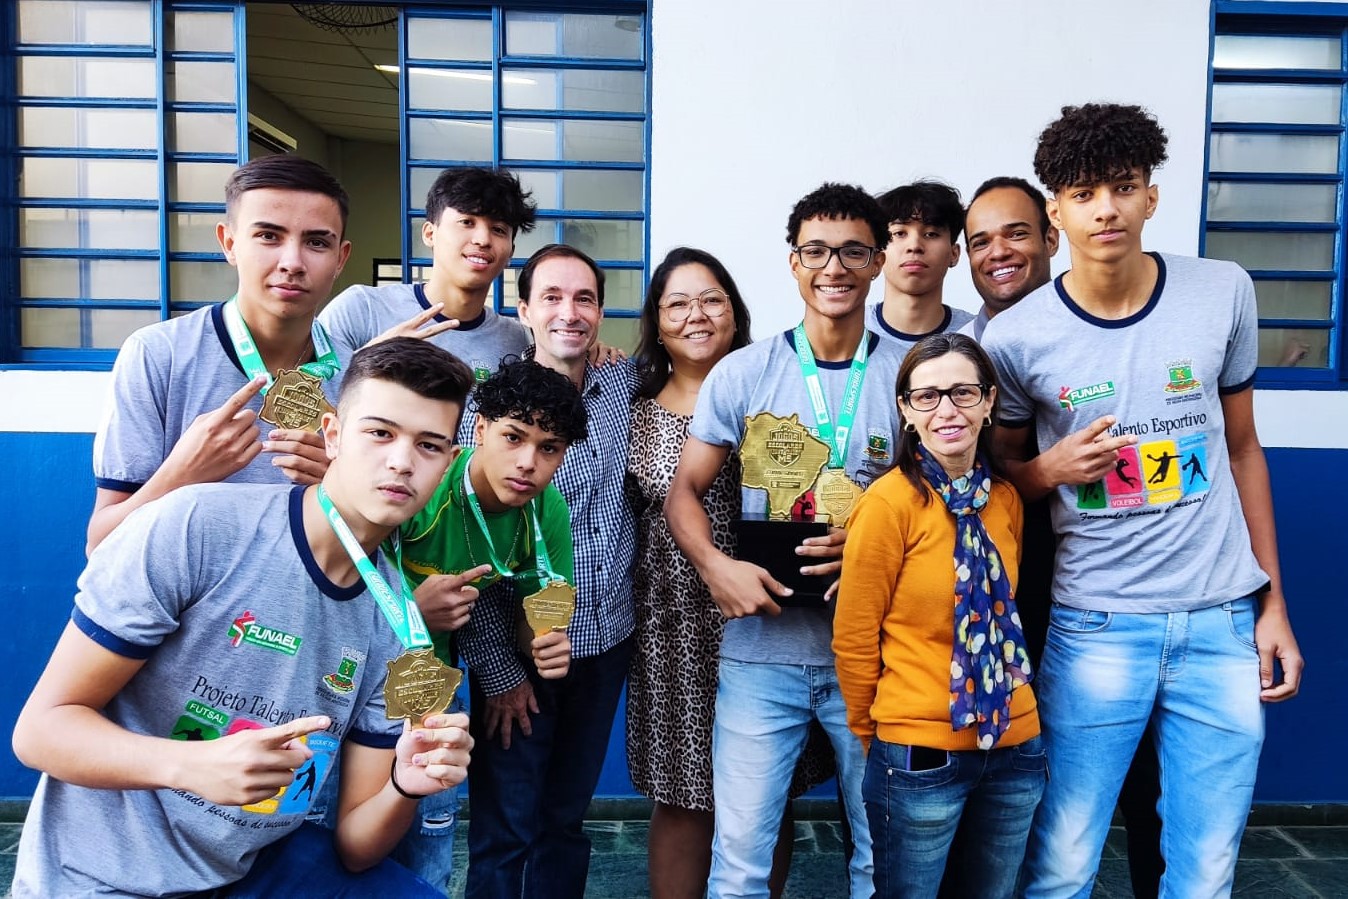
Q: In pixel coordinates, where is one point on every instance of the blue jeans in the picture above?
(959, 829)
(427, 849)
(1195, 677)
(305, 863)
(528, 803)
(763, 712)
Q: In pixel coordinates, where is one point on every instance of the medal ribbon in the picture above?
(400, 610)
(544, 569)
(836, 438)
(325, 363)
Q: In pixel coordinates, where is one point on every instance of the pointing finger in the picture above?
(241, 396)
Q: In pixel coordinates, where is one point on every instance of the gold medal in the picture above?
(835, 495)
(781, 456)
(418, 685)
(551, 608)
(295, 400)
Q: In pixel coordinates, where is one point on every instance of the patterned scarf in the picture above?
(988, 659)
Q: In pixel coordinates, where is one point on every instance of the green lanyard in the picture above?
(401, 610)
(325, 363)
(836, 438)
(544, 562)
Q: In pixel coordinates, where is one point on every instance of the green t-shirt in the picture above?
(445, 538)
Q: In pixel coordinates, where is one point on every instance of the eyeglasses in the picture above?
(815, 255)
(713, 302)
(925, 399)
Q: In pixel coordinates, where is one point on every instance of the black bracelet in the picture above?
(393, 779)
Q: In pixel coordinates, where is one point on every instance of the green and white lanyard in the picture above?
(835, 437)
(325, 363)
(400, 610)
(544, 562)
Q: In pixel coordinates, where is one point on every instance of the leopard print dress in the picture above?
(671, 689)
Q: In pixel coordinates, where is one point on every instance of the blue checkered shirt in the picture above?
(603, 529)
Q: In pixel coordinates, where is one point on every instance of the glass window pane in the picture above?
(85, 22)
(72, 76)
(567, 34)
(108, 328)
(194, 232)
(581, 141)
(1298, 153)
(1269, 250)
(95, 279)
(205, 132)
(593, 190)
(1294, 347)
(624, 288)
(419, 181)
(212, 32)
(464, 39)
(202, 281)
(465, 90)
(67, 126)
(1255, 51)
(450, 139)
(620, 241)
(200, 82)
(581, 89)
(98, 179)
(621, 332)
(1301, 104)
(1293, 299)
(200, 182)
(102, 229)
(1232, 201)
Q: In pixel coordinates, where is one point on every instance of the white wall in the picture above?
(778, 97)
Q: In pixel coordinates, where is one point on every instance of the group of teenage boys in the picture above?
(230, 640)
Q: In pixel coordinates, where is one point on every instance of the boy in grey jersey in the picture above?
(223, 649)
(1136, 371)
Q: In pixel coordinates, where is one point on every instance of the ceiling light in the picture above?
(463, 76)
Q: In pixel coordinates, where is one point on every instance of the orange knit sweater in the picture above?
(894, 624)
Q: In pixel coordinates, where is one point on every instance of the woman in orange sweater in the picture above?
(931, 659)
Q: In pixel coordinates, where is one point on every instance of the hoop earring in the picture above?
(909, 427)
(987, 421)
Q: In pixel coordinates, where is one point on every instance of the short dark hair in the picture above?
(477, 191)
(1098, 142)
(284, 172)
(420, 366)
(1035, 194)
(832, 200)
(933, 203)
(927, 349)
(534, 394)
(525, 280)
(652, 358)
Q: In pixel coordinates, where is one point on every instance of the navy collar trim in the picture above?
(1115, 323)
(476, 321)
(311, 565)
(904, 335)
(840, 364)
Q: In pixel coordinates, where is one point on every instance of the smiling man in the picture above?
(777, 666)
(222, 653)
(543, 742)
(185, 392)
(925, 220)
(1168, 604)
(1009, 241)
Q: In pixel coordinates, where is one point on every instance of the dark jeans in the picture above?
(305, 863)
(955, 830)
(527, 804)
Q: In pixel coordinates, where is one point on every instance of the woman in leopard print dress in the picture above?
(692, 317)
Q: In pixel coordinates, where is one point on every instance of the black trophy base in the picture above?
(772, 545)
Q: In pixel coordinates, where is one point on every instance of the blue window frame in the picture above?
(128, 115)
(1275, 191)
(561, 98)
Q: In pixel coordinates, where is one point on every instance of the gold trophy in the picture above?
(782, 457)
(419, 685)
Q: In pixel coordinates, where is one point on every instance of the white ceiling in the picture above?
(326, 77)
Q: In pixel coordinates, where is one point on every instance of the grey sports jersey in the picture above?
(1164, 531)
(953, 321)
(215, 587)
(766, 377)
(359, 314)
(165, 376)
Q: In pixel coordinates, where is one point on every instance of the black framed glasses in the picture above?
(678, 306)
(925, 399)
(816, 255)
